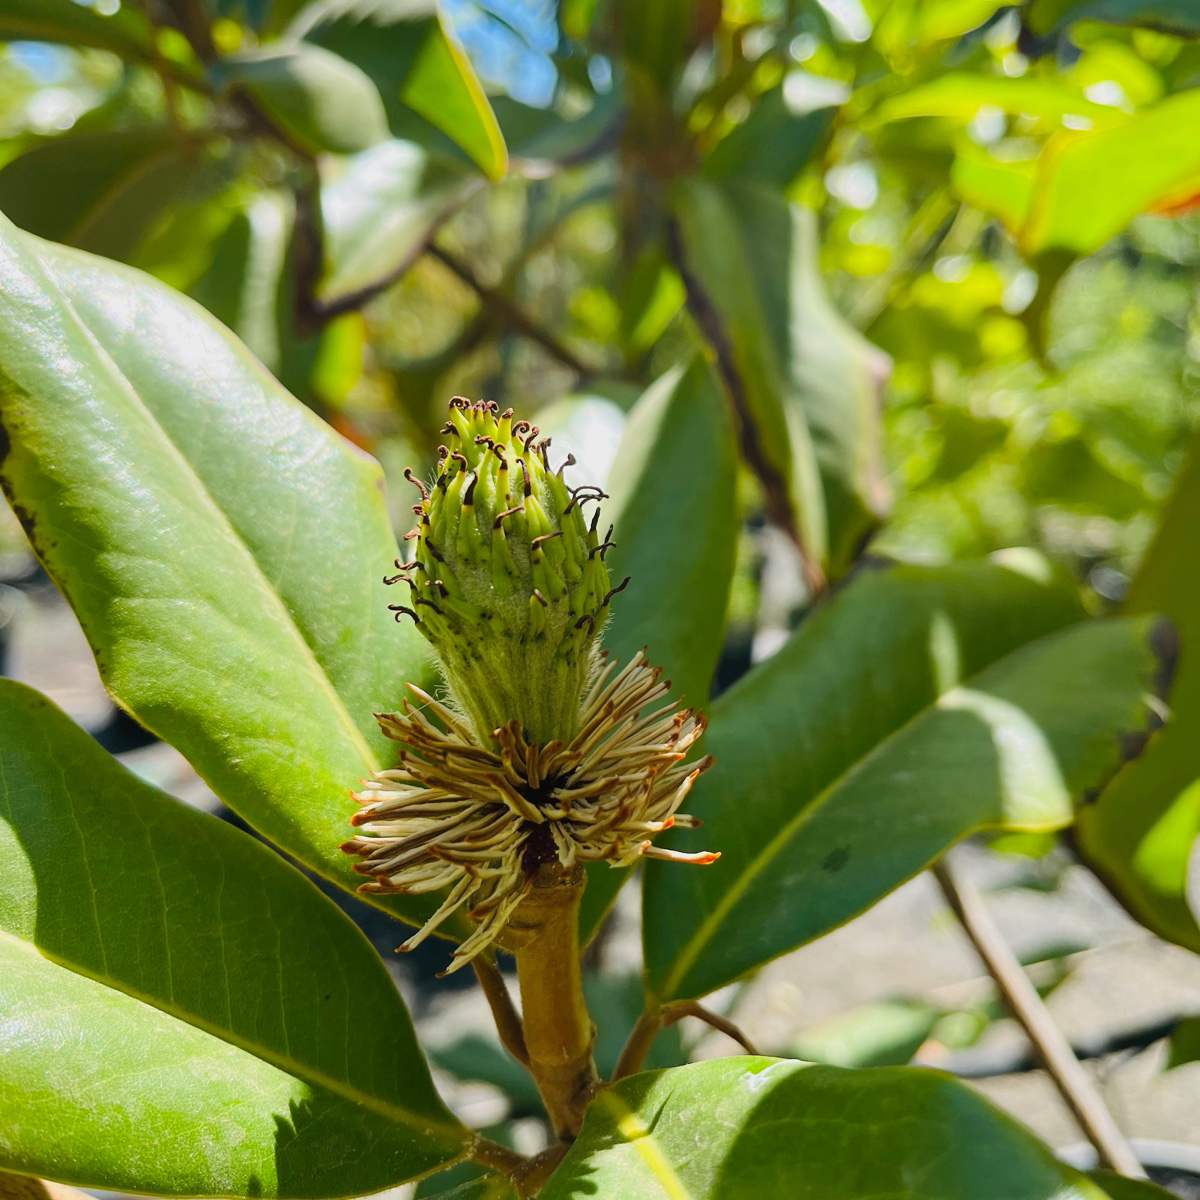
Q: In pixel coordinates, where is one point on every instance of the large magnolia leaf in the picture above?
(1139, 834)
(749, 1128)
(222, 548)
(903, 715)
(428, 85)
(676, 470)
(181, 1011)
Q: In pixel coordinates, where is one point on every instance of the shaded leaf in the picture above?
(429, 89)
(773, 144)
(746, 1128)
(321, 101)
(1171, 16)
(124, 32)
(1138, 836)
(222, 548)
(1185, 1043)
(100, 191)
(912, 709)
(380, 211)
(208, 994)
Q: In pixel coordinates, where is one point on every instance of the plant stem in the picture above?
(678, 1009)
(508, 1020)
(1072, 1081)
(638, 1042)
(510, 313)
(544, 936)
(25, 1187)
(499, 1157)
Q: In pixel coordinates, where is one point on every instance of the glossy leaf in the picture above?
(100, 191)
(429, 88)
(962, 94)
(1090, 184)
(747, 1128)
(1170, 16)
(676, 470)
(914, 708)
(318, 99)
(380, 211)
(222, 548)
(124, 32)
(167, 982)
(1140, 833)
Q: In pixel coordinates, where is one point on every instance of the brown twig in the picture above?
(678, 1009)
(25, 1187)
(637, 1043)
(510, 313)
(1072, 1081)
(496, 1156)
(504, 1013)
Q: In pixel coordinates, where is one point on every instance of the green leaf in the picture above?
(908, 26)
(100, 191)
(184, 1013)
(1120, 1187)
(124, 32)
(809, 385)
(1138, 836)
(222, 547)
(1004, 189)
(1090, 184)
(1185, 1043)
(773, 145)
(321, 101)
(380, 211)
(429, 88)
(748, 1128)
(886, 1033)
(676, 470)
(962, 94)
(904, 714)
(1170, 16)
(540, 136)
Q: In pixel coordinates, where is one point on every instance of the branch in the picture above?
(637, 1043)
(678, 1009)
(508, 1021)
(510, 314)
(1073, 1083)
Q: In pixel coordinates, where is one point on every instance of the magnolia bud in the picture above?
(508, 580)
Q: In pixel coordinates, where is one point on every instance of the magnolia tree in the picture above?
(484, 738)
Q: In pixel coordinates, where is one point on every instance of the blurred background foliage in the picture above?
(941, 256)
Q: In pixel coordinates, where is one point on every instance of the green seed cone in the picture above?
(508, 581)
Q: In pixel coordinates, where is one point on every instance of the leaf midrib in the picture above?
(308, 655)
(736, 890)
(305, 1072)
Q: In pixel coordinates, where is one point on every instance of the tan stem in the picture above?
(1072, 1081)
(678, 1009)
(637, 1043)
(544, 936)
(508, 1020)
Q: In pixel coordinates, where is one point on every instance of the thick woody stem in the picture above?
(544, 936)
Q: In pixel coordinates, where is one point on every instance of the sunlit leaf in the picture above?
(168, 983)
(748, 1128)
(428, 86)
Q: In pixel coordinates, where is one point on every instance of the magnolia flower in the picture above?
(545, 752)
